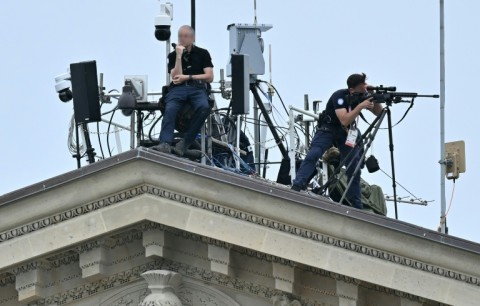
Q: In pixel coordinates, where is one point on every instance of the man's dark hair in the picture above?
(356, 79)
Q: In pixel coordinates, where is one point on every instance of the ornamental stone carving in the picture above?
(163, 286)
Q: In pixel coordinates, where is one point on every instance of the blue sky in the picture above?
(316, 45)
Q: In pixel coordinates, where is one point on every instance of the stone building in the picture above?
(144, 228)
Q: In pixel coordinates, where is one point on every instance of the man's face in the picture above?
(360, 88)
(185, 37)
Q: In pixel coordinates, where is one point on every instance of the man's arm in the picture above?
(206, 76)
(377, 109)
(177, 69)
(346, 118)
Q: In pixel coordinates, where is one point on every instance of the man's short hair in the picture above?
(192, 30)
(356, 79)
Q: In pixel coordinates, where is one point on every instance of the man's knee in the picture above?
(204, 109)
(172, 107)
(314, 153)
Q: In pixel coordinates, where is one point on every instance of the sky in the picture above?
(316, 44)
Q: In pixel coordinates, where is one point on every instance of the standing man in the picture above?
(339, 127)
(191, 70)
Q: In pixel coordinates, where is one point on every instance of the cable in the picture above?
(99, 140)
(279, 96)
(153, 126)
(451, 199)
(98, 135)
(206, 156)
(416, 198)
(108, 131)
(443, 219)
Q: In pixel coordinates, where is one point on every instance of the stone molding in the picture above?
(237, 214)
(134, 274)
(135, 233)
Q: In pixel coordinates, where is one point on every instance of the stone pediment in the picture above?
(89, 234)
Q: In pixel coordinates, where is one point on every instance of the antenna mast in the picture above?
(443, 221)
(255, 12)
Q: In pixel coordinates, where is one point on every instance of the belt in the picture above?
(197, 83)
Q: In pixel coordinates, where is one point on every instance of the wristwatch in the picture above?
(190, 78)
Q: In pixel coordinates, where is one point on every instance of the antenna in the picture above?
(270, 87)
(443, 205)
(407, 200)
(255, 12)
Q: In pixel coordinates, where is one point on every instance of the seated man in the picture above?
(191, 70)
(340, 121)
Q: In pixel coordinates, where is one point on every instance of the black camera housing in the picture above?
(162, 32)
(65, 95)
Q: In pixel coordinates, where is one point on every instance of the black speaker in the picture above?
(86, 104)
(240, 84)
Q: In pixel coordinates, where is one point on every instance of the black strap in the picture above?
(401, 119)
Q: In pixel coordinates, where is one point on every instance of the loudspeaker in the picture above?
(240, 84)
(86, 104)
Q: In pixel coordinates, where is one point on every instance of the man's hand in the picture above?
(367, 104)
(180, 78)
(179, 49)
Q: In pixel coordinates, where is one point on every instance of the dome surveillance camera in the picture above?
(127, 101)
(163, 21)
(162, 33)
(65, 95)
(63, 86)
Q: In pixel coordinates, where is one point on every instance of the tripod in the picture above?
(366, 141)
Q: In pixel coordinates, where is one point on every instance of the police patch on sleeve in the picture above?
(340, 101)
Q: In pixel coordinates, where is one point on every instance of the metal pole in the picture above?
(203, 142)
(291, 151)
(256, 139)
(193, 14)
(139, 127)
(90, 151)
(117, 139)
(132, 131)
(307, 124)
(237, 145)
(392, 160)
(442, 120)
(268, 120)
(167, 79)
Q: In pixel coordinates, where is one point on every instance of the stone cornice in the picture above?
(134, 274)
(230, 213)
(134, 234)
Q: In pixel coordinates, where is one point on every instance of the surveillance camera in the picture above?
(163, 21)
(63, 86)
(127, 101)
(162, 33)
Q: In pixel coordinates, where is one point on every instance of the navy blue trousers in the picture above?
(175, 99)
(322, 141)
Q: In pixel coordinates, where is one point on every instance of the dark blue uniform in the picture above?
(329, 132)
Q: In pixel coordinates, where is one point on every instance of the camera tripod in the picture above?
(366, 141)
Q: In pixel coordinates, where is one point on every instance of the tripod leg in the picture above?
(392, 160)
(374, 129)
(269, 121)
(363, 139)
